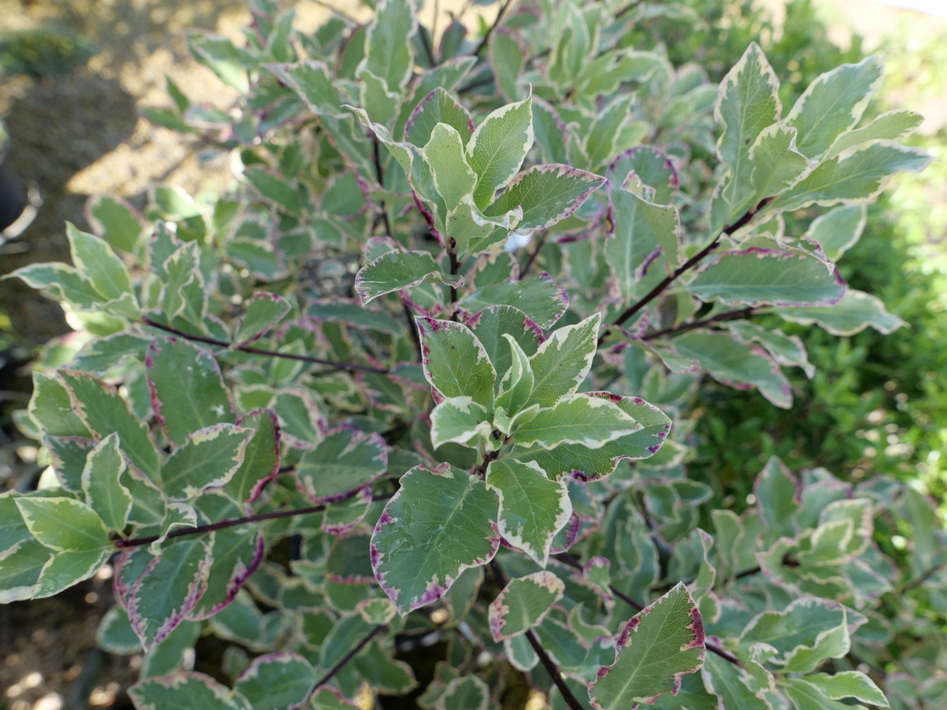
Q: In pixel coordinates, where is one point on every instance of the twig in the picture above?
(568, 559)
(348, 657)
(233, 522)
(686, 266)
(486, 37)
(540, 243)
(426, 43)
(454, 270)
(261, 351)
(690, 325)
(551, 668)
(379, 173)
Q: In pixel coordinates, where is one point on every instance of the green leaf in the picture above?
(455, 363)
(439, 523)
(547, 194)
(762, 277)
(236, 552)
(209, 457)
(747, 102)
(437, 107)
(833, 103)
(397, 270)
(517, 385)
(468, 692)
(460, 420)
(95, 261)
(327, 698)
(732, 685)
(473, 232)
(274, 187)
(492, 324)
(541, 299)
(849, 684)
(384, 674)
(642, 230)
(776, 162)
(65, 569)
(261, 458)
(21, 568)
(374, 92)
(533, 508)
(388, 53)
(787, 350)
(453, 177)
(893, 126)
(563, 360)
(276, 681)
(101, 355)
(506, 59)
(735, 364)
(498, 146)
(264, 311)
(778, 498)
(61, 282)
(524, 603)
(159, 591)
(838, 230)
(652, 168)
(185, 689)
(12, 528)
(52, 410)
(658, 646)
(805, 633)
(102, 486)
(856, 311)
(806, 696)
(591, 464)
(576, 419)
(855, 174)
(313, 83)
(64, 524)
(115, 221)
(343, 460)
(187, 388)
(115, 634)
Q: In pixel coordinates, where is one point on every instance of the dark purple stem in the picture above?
(486, 37)
(233, 522)
(686, 266)
(348, 657)
(380, 175)
(568, 559)
(551, 668)
(541, 242)
(729, 315)
(261, 351)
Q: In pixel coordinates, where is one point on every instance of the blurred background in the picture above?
(76, 77)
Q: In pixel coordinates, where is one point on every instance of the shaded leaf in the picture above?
(524, 603)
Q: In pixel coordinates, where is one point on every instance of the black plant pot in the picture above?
(12, 197)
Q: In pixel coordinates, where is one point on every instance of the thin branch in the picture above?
(540, 243)
(379, 173)
(348, 657)
(426, 43)
(551, 668)
(690, 325)
(233, 522)
(481, 470)
(434, 18)
(454, 270)
(486, 37)
(568, 559)
(349, 367)
(413, 330)
(686, 266)
(627, 8)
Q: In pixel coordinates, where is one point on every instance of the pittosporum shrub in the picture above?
(557, 238)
